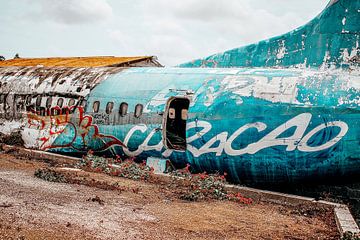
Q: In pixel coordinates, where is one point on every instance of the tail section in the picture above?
(329, 40)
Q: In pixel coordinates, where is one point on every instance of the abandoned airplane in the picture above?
(268, 124)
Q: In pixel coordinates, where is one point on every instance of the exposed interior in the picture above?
(175, 128)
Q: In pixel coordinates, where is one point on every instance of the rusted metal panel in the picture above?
(107, 61)
(46, 80)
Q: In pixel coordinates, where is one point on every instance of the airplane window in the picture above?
(184, 114)
(83, 103)
(96, 106)
(172, 113)
(28, 100)
(71, 102)
(60, 102)
(138, 110)
(38, 100)
(123, 109)
(53, 112)
(109, 107)
(42, 111)
(48, 102)
(65, 110)
(20, 102)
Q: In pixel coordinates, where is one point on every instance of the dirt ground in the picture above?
(31, 208)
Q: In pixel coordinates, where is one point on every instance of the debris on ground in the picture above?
(148, 209)
(14, 138)
(350, 236)
(5, 205)
(50, 175)
(205, 186)
(127, 168)
(199, 187)
(96, 199)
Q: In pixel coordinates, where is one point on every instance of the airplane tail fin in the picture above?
(329, 40)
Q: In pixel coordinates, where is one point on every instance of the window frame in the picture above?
(60, 100)
(71, 100)
(2, 98)
(38, 101)
(121, 108)
(98, 106)
(48, 103)
(138, 115)
(109, 109)
(172, 113)
(28, 100)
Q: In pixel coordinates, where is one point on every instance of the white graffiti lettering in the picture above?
(222, 143)
(304, 147)
(301, 122)
(228, 148)
(142, 128)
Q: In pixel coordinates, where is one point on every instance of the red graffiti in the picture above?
(76, 129)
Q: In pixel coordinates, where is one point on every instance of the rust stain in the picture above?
(74, 61)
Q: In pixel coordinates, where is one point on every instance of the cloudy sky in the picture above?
(175, 31)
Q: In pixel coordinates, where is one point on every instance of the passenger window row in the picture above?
(41, 105)
(49, 109)
(123, 108)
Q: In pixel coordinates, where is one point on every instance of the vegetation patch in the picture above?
(127, 168)
(14, 139)
(50, 175)
(183, 184)
(205, 186)
(350, 236)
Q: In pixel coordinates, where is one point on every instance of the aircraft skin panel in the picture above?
(25, 93)
(258, 125)
(329, 40)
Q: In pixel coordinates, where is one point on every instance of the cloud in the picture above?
(175, 31)
(75, 11)
(179, 31)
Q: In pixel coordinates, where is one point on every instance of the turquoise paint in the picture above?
(260, 125)
(329, 40)
(221, 98)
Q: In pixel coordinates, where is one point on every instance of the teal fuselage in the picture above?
(257, 125)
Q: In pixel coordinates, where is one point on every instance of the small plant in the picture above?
(14, 139)
(183, 173)
(350, 236)
(207, 186)
(238, 197)
(201, 186)
(50, 175)
(116, 167)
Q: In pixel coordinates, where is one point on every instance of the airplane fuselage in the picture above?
(258, 125)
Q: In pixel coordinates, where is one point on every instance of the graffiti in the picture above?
(78, 127)
(101, 118)
(298, 140)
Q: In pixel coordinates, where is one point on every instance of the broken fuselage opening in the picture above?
(175, 123)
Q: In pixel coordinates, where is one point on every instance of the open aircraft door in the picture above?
(174, 123)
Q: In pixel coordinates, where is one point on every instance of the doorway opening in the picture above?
(175, 123)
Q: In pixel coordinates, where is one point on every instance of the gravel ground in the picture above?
(31, 208)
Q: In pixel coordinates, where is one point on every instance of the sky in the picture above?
(175, 31)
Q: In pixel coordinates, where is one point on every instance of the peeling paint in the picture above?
(320, 43)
